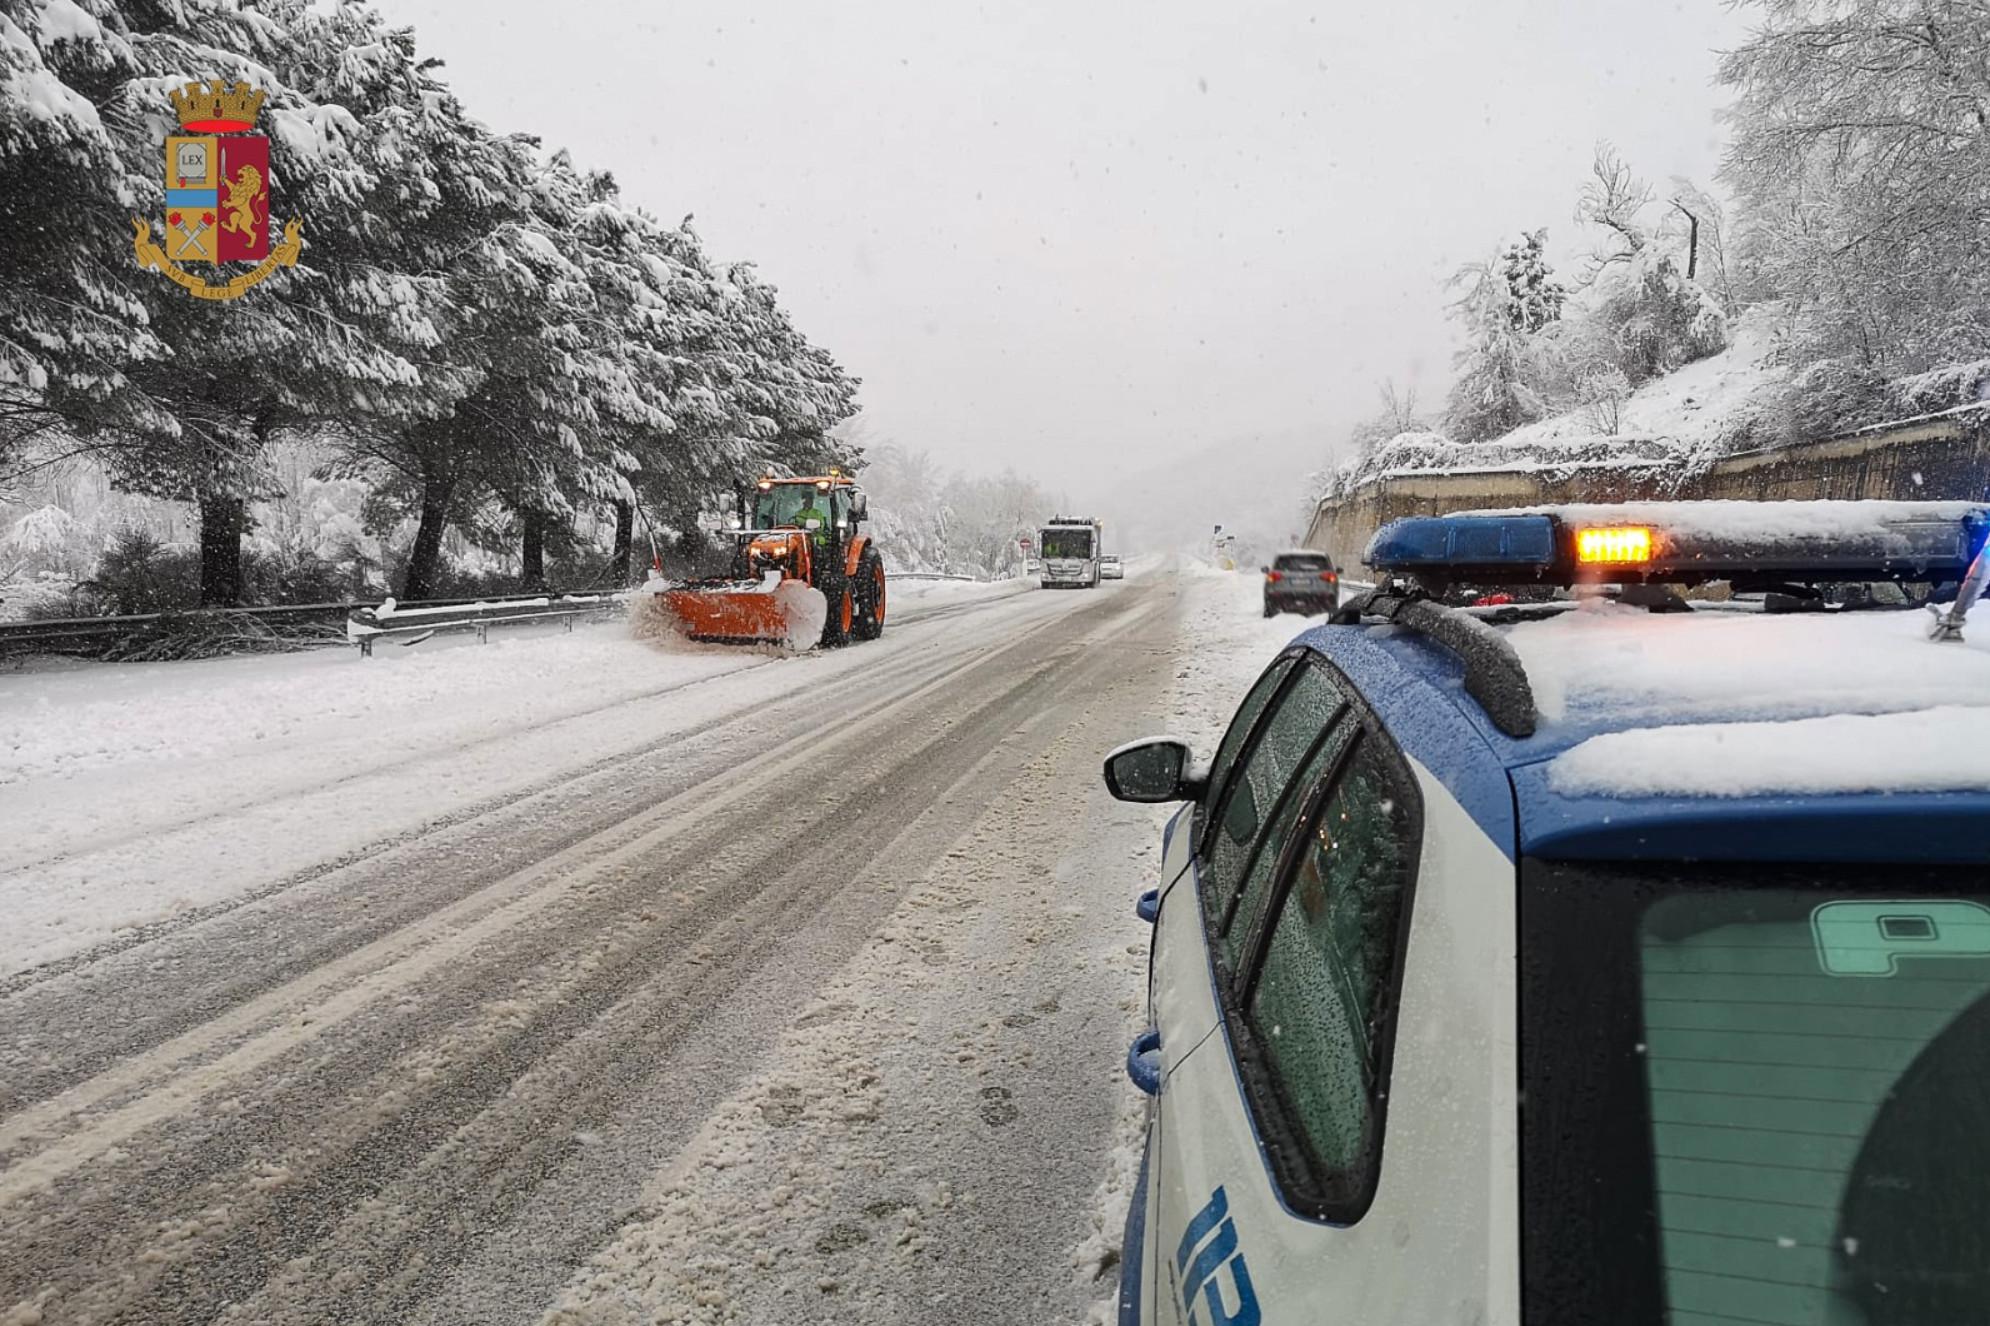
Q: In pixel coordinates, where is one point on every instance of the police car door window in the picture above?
(1234, 739)
(1319, 1011)
(1289, 733)
(1236, 922)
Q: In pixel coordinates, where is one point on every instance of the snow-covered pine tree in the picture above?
(518, 331)
(1493, 392)
(637, 284)
(192, 422)
(795, 392)
(71, 325)
(455, 329)
(195, 423)
(447, 256)
(755, 392)
(675, 314)
(1537, 297)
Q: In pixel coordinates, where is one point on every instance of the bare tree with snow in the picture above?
(1861, 137)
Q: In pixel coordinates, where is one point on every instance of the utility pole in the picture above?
(1692, 240)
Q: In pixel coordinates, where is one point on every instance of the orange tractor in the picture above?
(803, 570)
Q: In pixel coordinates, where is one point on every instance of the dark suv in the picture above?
(1301, 581)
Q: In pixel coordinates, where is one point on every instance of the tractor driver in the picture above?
(819, 536)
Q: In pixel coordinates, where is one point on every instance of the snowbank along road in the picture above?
(700, 987)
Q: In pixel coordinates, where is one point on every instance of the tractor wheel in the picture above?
(870, 596)
(842, 613)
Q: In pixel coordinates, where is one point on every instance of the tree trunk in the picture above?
(425, 559)
(534, 551)
(625, 543)
(223, 519)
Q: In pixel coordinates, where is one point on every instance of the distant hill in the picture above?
(1254, 486)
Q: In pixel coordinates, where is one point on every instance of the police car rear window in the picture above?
(1810, 1091)
(1819, 1121)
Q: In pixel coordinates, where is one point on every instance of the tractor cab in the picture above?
(833, 500)
(791, 524)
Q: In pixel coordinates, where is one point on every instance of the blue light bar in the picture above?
(1758, 543)
(1512, 542)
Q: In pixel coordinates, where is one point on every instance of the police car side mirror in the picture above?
(1156, 769)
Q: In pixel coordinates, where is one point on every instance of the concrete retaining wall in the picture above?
(1938, 458)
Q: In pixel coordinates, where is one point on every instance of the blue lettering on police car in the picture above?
(1207, 1250)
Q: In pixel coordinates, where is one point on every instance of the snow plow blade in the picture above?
(737, 612)
(734, 615)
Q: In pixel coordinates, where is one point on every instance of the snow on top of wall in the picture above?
(1943, 749)
(1694, 415)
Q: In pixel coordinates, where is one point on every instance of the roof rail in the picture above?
(1493, 674)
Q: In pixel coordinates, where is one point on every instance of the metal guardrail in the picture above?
(362, 622)
(418, 621)
(96, 635)
(90, 636)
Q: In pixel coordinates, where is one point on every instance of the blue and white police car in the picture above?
(1613, 958)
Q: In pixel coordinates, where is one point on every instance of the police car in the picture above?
(1616, 959)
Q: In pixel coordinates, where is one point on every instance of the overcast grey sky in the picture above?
(1083, 238)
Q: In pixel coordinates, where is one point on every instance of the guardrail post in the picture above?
(366, 646)
(568, 619)
(483, 632)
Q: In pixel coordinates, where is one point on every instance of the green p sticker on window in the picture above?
(1869, 938)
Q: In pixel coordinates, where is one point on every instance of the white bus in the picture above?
(1069, 547)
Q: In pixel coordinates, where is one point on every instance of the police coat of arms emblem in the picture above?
(217, 194)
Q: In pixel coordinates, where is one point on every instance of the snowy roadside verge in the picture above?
(1226, 642)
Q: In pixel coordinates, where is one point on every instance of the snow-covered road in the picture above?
(562, 976)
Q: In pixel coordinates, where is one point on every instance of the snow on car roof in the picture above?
(1729, 704)
(1943, 749)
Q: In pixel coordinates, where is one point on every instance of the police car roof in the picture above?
(1714, 734)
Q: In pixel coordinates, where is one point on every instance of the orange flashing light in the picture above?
(1614, 545)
